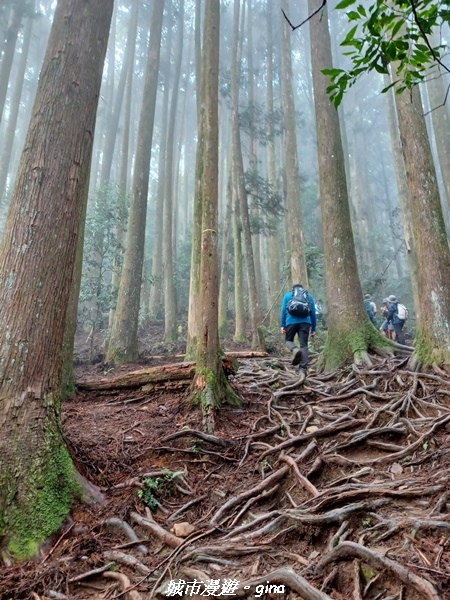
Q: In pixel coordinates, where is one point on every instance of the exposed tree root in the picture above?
(351, 550)
(335, 489)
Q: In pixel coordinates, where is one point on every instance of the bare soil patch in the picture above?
(337, 488)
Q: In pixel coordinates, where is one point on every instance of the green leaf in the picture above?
(332, 72)
(388, 87)
(362, 10)
(344, 4)
(397, 27)
(349, 37)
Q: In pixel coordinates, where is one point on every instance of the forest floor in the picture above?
(334, 489)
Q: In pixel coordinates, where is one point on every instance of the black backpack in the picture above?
(299, 305)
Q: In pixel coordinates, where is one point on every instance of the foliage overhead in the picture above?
(400, 32)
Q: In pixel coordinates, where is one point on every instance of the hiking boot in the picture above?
(301, 375)
(296, 356)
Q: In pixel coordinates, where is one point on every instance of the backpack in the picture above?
(299, 305)
(402, 312)
(368, 308)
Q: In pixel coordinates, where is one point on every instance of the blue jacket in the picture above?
(288, 319)
(392, 316)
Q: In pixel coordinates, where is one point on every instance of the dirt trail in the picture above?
(334, 489)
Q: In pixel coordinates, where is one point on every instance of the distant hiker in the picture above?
(371, 309)
(397, 315)
(298, 317)
(319, 314)
(386, 328)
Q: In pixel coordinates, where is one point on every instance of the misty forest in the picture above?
(171, 171)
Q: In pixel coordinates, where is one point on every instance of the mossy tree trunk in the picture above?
(350, 333)
(209, 386)
(123, 343)
(37, 258)
(433, 254)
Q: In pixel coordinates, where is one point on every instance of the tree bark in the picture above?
(238, 178)
(170, 298)
(123, 343)
(295, 233)
(37, 255)
(209, 386)
(433, 254)
(350, 333)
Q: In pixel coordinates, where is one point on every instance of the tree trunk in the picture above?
(403, 194)
(155, 308)
(239, 304)
(18, 10)
(224, 270)
(123, 344)
(350, 333)
(295, 232)
(112, 124)
(170, 298)
(273, 242)
(123, 186)
(209, 384)
(238, 178)
(37, 255)
(194, 288)
(433, 254)
(8, 138)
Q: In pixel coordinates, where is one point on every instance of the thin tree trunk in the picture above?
(123, 344)
(254, 305)
(8, 138)
(194, 289)
(123, 188)
(239, 305)
(18, 10)
(170, 307)
(224, 270)
(295, 232)
(274, 254)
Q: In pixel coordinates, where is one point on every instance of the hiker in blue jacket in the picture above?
(397, 323)
(303, 326)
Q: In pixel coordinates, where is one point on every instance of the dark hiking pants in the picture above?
(302, 330)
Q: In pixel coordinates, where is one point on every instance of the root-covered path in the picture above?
(337, 488)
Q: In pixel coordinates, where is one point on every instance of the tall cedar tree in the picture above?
(350, 333)
(294, 223)
(37, 255)
(123, 343)
(432, 250)
(210, 386)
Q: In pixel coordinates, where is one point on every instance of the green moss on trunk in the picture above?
(210, 391)
(427, 351)
(344, 344)
(39, 506)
